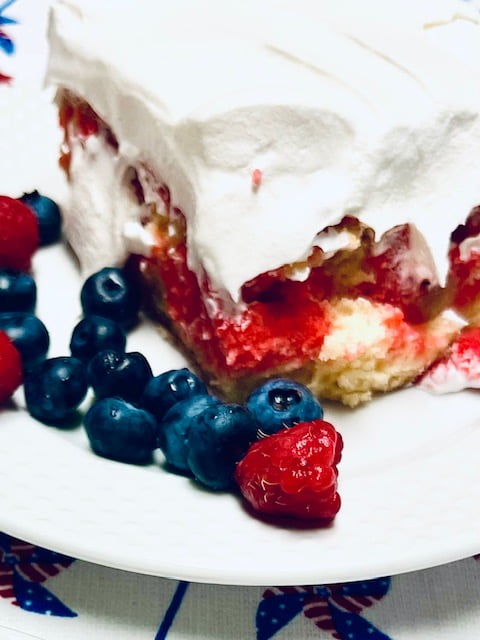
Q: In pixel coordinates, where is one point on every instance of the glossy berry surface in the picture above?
(115, 373)
(118, 430)
(218, 438)
(281, 403)
(10, 368)
(18, 291)
(48, 216)
(293, 473)
(55, 388)
(29, 335)
(168, 388)
(172, 430)
(110, 292)
(94, 334)
(19, 235)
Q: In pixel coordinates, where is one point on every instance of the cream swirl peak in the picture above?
(270, 120)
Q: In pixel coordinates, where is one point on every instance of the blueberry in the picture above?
(164, 390)
(55, 388)
(118, 430)
(18, 291)
(115, 373)
(218, 438)
(48, 216)
(281, 403)
(173, 429)
(94, 334)
(111, 293)
(28, 334)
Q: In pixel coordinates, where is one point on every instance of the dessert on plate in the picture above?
(285, 178)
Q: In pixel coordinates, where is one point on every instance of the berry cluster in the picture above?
(24, 339)
(275, 448)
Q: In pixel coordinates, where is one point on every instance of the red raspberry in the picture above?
(19, 236)
(293, 472)
(10, 368)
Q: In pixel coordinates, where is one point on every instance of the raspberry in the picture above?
(10, 368)
(293, 472)
(19, 235)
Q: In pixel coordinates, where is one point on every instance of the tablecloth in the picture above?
(54, 597)
(49, 596)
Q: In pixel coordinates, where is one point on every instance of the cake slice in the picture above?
(283, 177)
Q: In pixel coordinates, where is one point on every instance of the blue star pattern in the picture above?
(4, 19)
(6, 43)
(23, 567)
(333, 608)
(276, 612)
(351, 626)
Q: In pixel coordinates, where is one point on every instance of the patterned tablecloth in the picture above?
(53, 597)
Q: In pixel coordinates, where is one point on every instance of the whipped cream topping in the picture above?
(103, 226)
(447, 377)
(459, 369)
(271, 119)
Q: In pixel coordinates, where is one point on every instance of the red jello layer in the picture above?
(260, 337)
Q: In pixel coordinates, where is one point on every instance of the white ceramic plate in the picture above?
(409, 479)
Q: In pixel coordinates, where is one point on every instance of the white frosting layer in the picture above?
(448, 378)
(369, 108)
(458, 370)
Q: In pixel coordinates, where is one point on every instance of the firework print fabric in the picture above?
(52, 597)
(7, 46)
(334, 608)
(23, 569)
